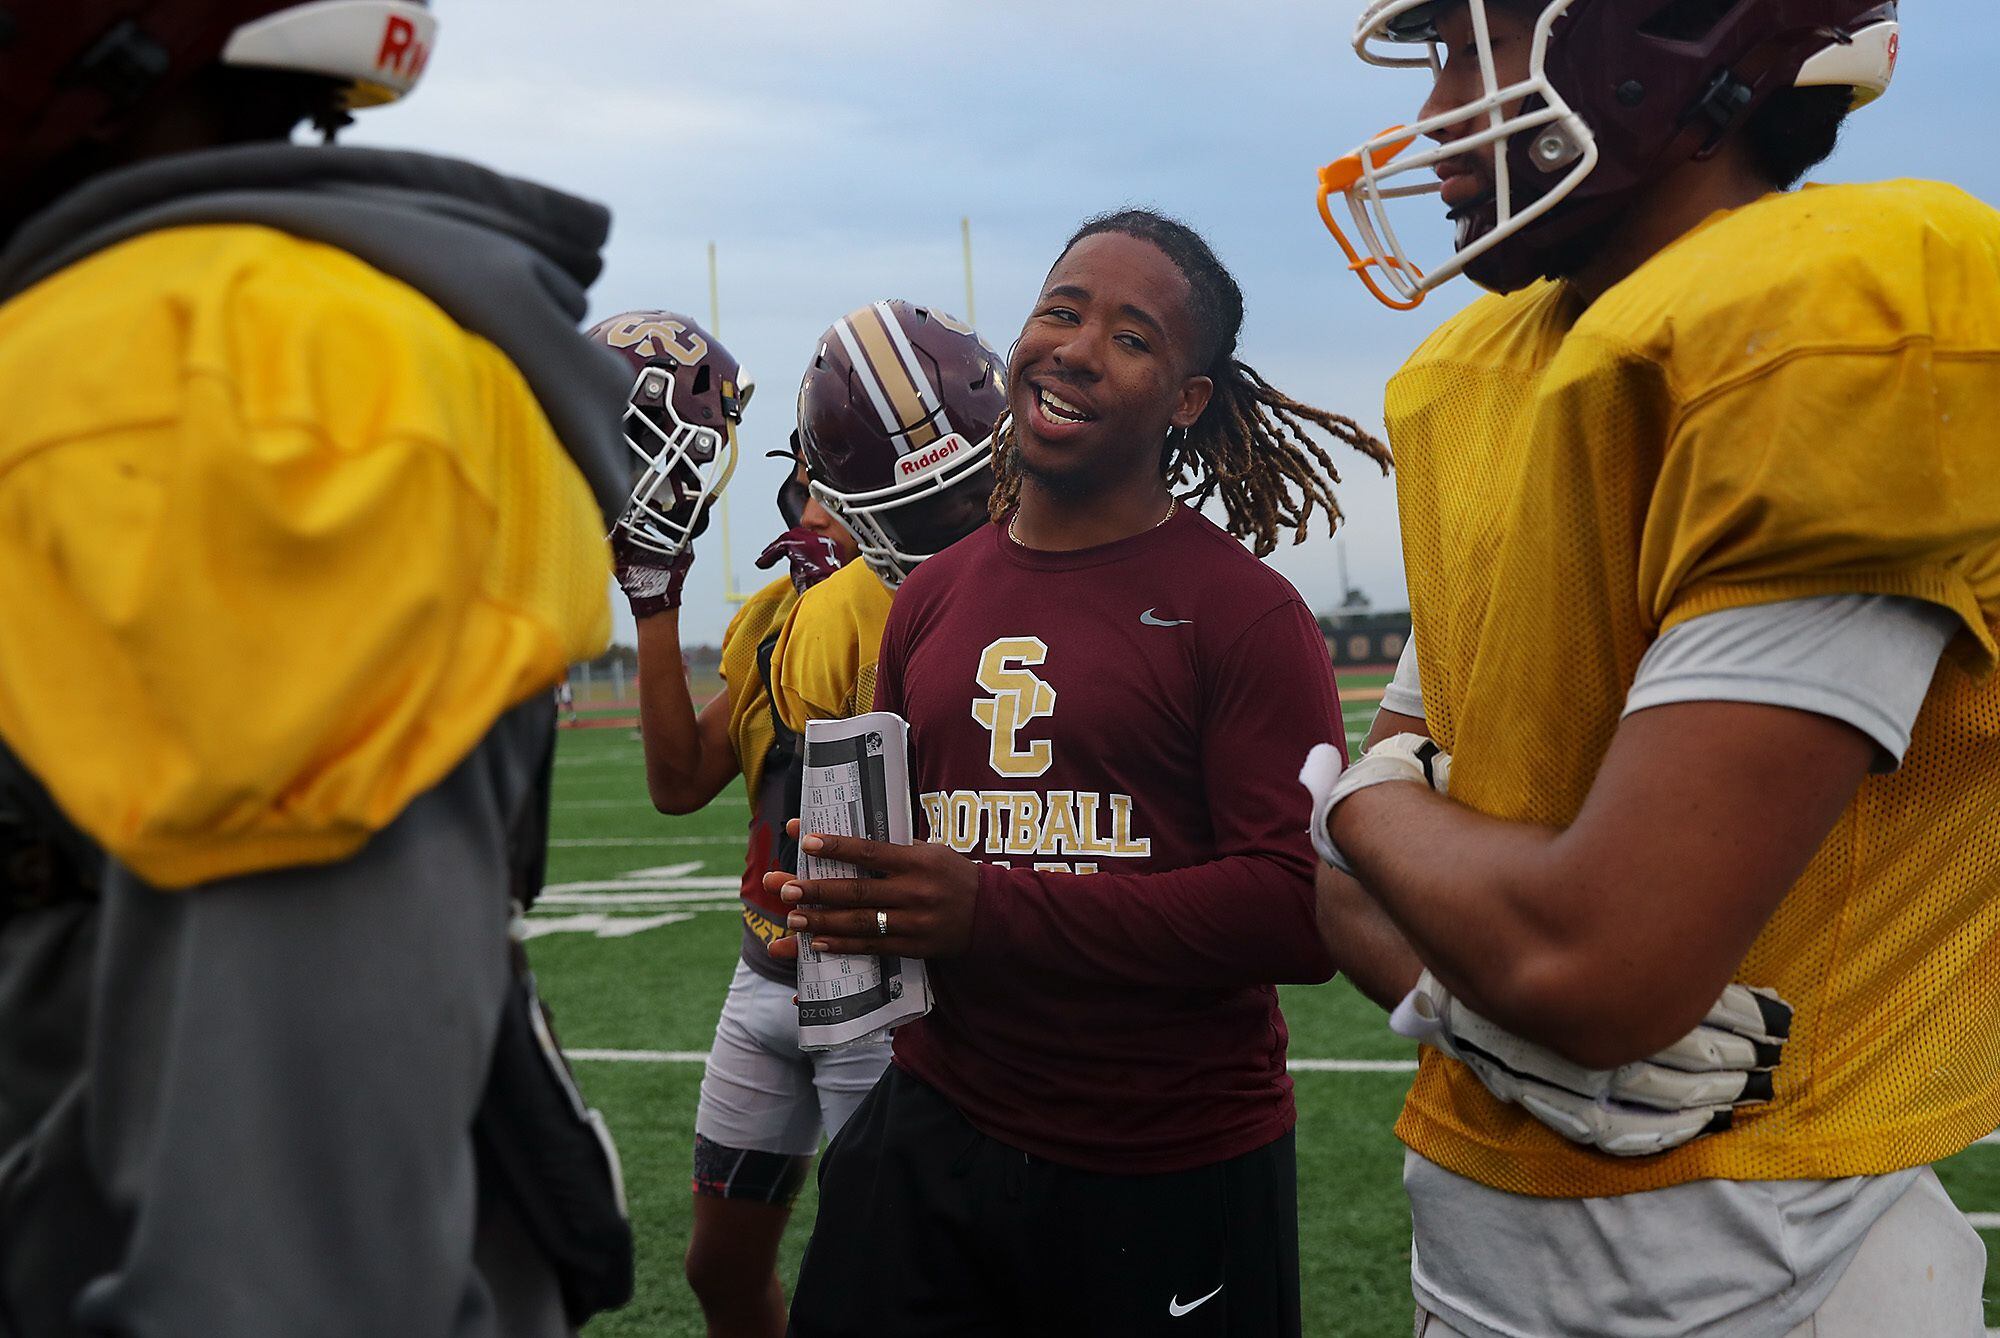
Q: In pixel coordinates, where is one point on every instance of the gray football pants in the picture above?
(268, 1130)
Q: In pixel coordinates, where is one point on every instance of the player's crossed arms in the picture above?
(1692, 1088)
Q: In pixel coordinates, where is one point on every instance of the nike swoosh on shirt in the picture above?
(1151, 621)
(1175, 1309)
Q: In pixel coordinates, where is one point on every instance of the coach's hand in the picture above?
(924, 893)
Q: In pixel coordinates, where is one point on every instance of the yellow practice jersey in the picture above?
(769, 763)
(279, 541)
(825, 663)
(1801, 397)
(750, 728)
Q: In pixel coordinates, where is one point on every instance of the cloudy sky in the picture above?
(829, 152)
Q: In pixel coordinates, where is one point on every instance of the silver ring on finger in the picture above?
(882, 923)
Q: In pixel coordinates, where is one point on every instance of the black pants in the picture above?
(926, 1226)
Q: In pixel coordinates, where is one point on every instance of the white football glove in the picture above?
(1689, 1089)
(1400, 757)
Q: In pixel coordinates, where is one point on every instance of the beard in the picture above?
(1557, 246)
(1070, 484)
(1566, 256)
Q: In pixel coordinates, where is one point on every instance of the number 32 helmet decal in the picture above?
(687, 397)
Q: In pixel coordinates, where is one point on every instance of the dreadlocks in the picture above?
(1250, 446)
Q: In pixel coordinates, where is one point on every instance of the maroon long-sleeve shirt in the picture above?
(1115, 733)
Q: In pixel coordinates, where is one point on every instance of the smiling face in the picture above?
(1106, 364)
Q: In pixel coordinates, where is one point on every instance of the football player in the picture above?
(802, 648)
(305, 475)
(896, 419)
(1704, 559)
(762, 1102)
(1091, 1131)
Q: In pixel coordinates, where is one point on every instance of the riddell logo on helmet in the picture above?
(401, 50)
(1895, 50)
(918, 461)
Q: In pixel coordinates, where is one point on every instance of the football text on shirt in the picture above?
(1028, 822)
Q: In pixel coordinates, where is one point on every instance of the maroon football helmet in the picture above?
(896, 417)
(1617, 94)
(680, 422)
(71, 69)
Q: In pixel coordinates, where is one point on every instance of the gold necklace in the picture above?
(1173, 504)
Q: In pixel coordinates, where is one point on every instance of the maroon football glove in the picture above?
(652, 583)
(813, 556)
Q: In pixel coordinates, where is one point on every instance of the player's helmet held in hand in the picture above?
(896, 417)
(77, 70)
(687, 397)
(1617, 93)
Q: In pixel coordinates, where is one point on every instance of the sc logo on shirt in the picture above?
(1018, 697)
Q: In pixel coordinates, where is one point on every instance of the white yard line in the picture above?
(726, 899)
(1984, 1221)
(641, 1056)
(636, 885)
(701, 1056)
(600, 924)
(1351, 1065)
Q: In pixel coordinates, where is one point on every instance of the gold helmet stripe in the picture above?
(876, 396)
(907, 416)
(934, 410)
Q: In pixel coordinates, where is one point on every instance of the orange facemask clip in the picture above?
(1338, 178)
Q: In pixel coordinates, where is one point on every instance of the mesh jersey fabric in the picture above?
(279, 541)
(750, 730)
(769, 763)
(1720, 1257)
(1715, 434)
(820, 656)
(827, 651)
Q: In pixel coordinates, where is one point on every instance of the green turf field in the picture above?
(635, 943)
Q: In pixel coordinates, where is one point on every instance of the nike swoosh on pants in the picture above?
(1175, 1309)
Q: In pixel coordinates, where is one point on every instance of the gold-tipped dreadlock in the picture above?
(1250, 446)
